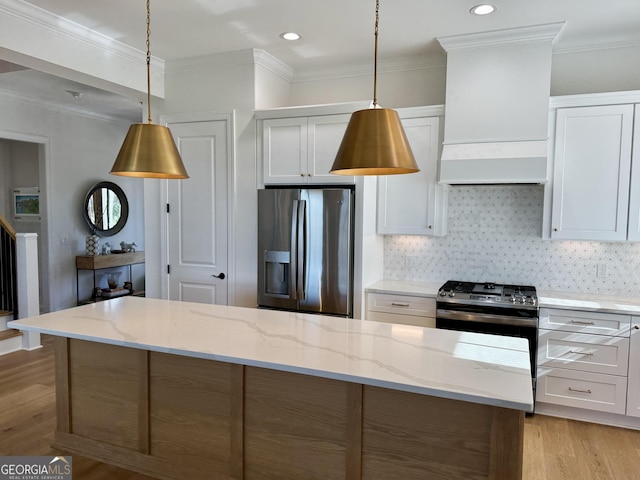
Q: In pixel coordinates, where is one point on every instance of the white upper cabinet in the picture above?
(301, 150)
(634, 192)
(415, 204)
(592, 173)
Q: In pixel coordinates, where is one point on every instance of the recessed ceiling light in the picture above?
(483, 9)
(291, 36)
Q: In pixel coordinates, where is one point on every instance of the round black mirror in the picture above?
(105, 209)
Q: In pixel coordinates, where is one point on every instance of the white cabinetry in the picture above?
(415, 204)
(583, 359)
(592, 169)
(301, 150)
(403, 309)
(633, 393)
(595, 187)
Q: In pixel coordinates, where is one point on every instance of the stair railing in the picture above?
(8, 268)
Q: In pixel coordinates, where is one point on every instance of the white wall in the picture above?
(217, 84)
(5, 178)
(613, 70)
(77, 151)
(401, 85)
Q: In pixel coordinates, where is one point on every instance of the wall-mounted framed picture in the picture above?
(26, 203)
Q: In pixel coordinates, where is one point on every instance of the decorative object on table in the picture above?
(115, 292)
(128, 286)
(92, 244)
(106, 248)
(374, 142)
(128, 247)
(112, 279)
(97, 293)
(148, 150)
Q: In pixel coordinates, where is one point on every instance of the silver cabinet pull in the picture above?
(578, 322)
(581, 353)
(579, 390)
(399, 304)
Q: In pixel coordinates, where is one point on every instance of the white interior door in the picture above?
(197, 214)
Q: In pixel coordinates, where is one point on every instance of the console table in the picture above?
(103, 262)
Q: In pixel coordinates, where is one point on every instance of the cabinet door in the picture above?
(592, 166)
(415, 204)
(284, 144)
(633, 392)
(584, 352)
(634, 196)
(324, 137)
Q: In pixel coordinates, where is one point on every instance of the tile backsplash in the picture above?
(495, 235)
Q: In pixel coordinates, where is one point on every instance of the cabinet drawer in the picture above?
(593, 391)
(585, 322)
(401, 304)
(578, 351)
(415, 320)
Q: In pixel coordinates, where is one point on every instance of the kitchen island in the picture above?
(182, 390)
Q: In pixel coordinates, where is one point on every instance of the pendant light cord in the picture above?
(149, 61)
(375, 57)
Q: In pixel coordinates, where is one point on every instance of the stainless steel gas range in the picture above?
(491, 308)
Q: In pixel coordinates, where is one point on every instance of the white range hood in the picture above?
(497, 105)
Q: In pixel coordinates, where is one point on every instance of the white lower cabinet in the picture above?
(586, 352)
(579, 366)
(402, 309)
(572, 388)
(633, 392)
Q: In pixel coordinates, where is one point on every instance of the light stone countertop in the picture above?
(472, 367)
(564, 300)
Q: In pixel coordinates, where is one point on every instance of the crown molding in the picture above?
(536, 33)
(59, 107)
(95, 55)
(592, 99)
(613, 45)
(273, 65)
(48, 21)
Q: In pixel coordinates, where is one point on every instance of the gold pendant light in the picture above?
(374, 142)
(148, 150)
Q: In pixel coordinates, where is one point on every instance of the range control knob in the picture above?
(442, 293)
(452, 294)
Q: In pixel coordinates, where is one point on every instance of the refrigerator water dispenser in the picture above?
(276, 271)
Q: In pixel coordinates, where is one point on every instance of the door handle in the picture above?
(221, 276)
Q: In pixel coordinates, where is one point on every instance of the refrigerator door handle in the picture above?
(293, 263)
(300, 248)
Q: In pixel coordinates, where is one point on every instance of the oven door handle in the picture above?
(485, 318)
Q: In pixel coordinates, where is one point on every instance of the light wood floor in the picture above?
(554, 449)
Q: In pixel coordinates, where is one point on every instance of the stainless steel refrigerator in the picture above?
(305, 249)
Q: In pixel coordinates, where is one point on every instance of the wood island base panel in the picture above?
(176, 417)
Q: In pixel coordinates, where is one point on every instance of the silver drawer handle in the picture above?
(582, 323)
(571, 389)
(581, 353)
(399, 304)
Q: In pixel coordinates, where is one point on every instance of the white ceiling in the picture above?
(334, 32)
